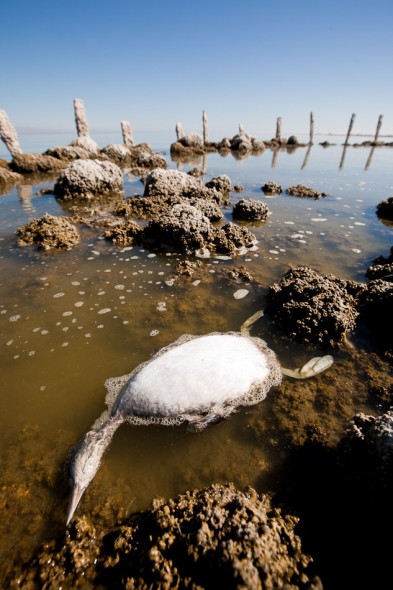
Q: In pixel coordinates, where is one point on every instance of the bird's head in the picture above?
(84, 463)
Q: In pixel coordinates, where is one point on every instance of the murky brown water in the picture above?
(71, 320)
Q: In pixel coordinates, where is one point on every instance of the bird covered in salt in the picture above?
(197, 379)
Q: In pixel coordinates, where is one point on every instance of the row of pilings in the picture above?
(9, 135)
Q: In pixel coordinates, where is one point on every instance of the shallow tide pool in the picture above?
(70, 320)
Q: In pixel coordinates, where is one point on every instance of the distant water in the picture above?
(70, 320)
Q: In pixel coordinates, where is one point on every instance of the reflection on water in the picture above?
(70, 320)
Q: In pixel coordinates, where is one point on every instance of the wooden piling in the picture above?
(179, 131)
(9, 135)
(350, 128)
(379, 124)
(126, 130)
(82, 126)
(278, 129)
(205, 128)
(311, 128)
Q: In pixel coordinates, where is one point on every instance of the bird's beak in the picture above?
(77, 493)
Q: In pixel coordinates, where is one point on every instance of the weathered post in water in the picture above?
(82, 126)
(278, 129)
(9, 135)
(350, 128)
(311, 128)
(126, 131)
(205, 128)
(379, 124)
(179, 131)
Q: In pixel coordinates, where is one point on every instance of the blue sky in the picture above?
(154, 63)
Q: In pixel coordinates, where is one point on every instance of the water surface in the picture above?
(70, 320)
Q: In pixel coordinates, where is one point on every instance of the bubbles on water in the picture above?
(14, 318)
(66, 313)
(79, 304)
(104, 310)
(161, 306)
(119, 287)
(154, 332)
(57, 295)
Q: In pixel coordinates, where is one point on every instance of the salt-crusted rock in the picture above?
(87, 143)
(89, 178)
(314, 308)
(271, 188)
(221, 183)
(194, 140)
(250, 209)
(119, 153)
(217, 537)
(173, 182)
(68, 152)
(7, 176)
(300, 190)
(36, 163)
(241, 142)
(48, 232)
(183, 228)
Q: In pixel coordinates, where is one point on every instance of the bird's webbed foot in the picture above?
(311, 368)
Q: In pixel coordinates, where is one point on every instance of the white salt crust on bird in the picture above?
(197, 376)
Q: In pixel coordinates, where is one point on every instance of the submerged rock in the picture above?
(89, 178)
(48, 232)
(211, 538)
(314, 308)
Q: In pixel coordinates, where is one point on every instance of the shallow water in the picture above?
(70, 320)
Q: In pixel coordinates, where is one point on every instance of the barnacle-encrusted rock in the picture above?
(68, 152)
(183, 228)
(382, 268)
(230, 238)
(172, 182)
(48, 232)
(300, 190)
(314, 308)
(250, 209)
(87, 143)
(218, 537)
(33, 163)
(118, 153)
(366, 452)
(385, 209)
(89, 178)
(375, 306)
(272, 188)
(124, 234)
(221, 183)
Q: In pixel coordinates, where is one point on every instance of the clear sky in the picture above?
(154, 63)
